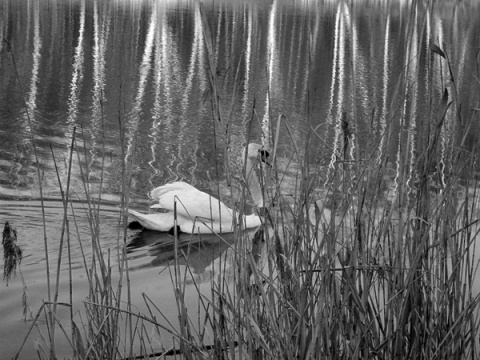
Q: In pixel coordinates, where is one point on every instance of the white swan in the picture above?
(198, 212)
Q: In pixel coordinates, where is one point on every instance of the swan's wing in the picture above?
(156, 193)
(165, 222)
(191, 202)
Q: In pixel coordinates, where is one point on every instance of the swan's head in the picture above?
(256, 152)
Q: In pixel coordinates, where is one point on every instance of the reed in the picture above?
(386, 271)
(379, 279)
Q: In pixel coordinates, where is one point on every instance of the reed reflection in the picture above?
(77, 75)
(338, 89)
(155, 72)
(28, 121)
(3, 21)
(101, 34)
(187, 128)
(36, 56)
(248, 20)
(158, 113)
(272, 74)
(143, 73)
(385, 85)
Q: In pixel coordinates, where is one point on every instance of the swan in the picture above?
(198, 212)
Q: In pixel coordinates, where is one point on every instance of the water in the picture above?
(132, 79)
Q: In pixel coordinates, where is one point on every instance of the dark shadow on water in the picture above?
(195, 250)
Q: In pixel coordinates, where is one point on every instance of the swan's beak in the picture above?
(264, 154)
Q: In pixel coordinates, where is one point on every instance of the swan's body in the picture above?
(196, 211)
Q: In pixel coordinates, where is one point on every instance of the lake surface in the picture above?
(130, 82)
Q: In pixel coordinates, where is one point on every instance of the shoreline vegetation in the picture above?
(371, 257)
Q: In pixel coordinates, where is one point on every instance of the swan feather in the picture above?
(197, 212)
(191, 202)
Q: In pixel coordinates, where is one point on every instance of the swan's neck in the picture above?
(254, 185)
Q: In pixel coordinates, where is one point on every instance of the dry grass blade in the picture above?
(437, 50)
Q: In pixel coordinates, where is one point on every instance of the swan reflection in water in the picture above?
(204, 254)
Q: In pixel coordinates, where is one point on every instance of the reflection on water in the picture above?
(77, 74)
(25, 216)
(198, 251)
(133, 78)
(135, 75)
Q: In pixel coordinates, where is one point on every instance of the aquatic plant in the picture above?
(12, 253)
